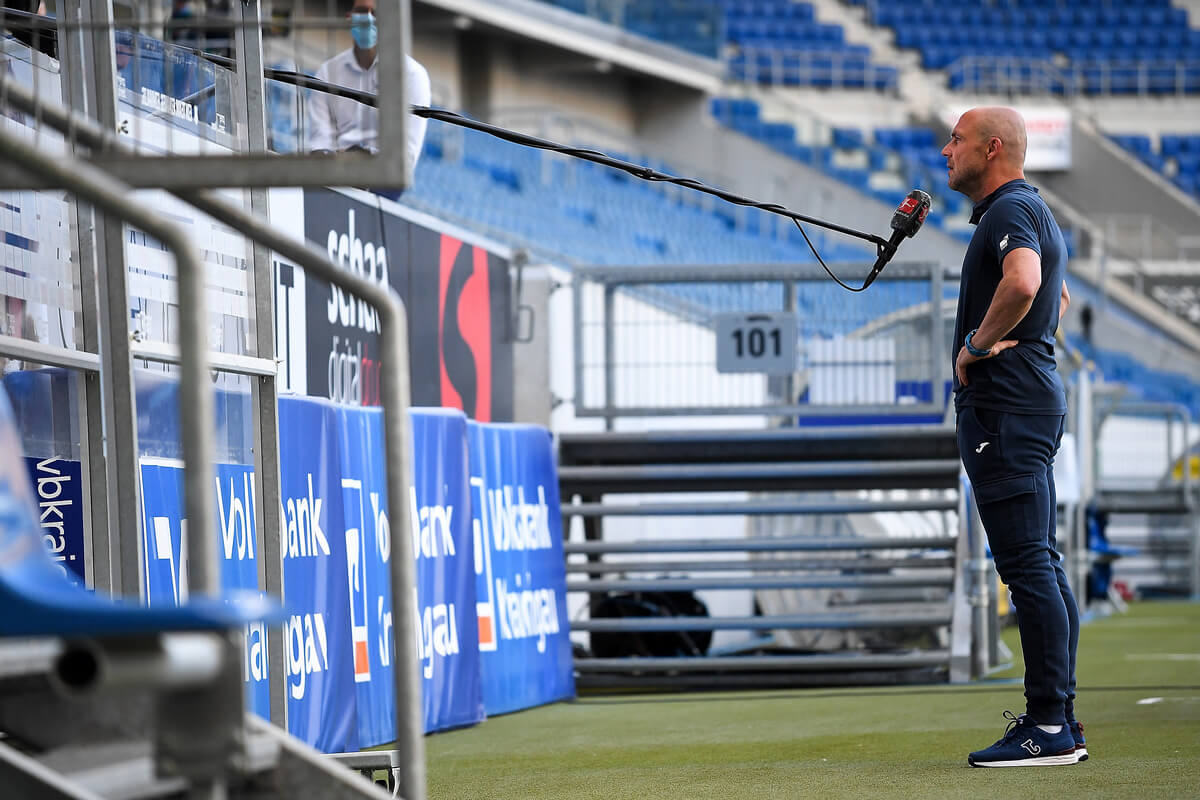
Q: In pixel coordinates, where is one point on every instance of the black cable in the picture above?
(637, 170)
(30, 20)
(294, 78)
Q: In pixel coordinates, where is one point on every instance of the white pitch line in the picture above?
(1150, 701)
(1162, 656)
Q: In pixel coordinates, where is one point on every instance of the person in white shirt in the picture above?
(336, 123)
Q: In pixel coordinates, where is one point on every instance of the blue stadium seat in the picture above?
(597, 215)
(36, 599)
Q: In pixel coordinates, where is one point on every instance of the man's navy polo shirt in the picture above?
(1022, 379)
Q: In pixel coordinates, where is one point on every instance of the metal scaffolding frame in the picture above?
(106, 358)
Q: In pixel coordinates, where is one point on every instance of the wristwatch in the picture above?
(972, 349)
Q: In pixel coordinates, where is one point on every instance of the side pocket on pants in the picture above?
(1009, 510)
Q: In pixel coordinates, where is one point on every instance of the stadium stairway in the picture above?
(1102, 164)
(1176, 158)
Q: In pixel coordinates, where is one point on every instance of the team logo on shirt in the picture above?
(1004, 242)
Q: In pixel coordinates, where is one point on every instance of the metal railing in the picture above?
(1025, 76)
(111, 196)
(835, 597)
(800, 67)
(650, 341)
(1166, 553)
(1145, 237)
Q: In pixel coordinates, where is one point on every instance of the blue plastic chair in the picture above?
(37, 600)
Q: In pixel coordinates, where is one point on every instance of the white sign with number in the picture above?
(760, 342)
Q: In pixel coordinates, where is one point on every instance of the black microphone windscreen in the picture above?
(910, 214)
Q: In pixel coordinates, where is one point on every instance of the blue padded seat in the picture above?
(36, 599)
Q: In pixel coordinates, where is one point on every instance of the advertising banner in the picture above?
(447, 631)
(343, 363)
(165, 547)
(320, 669)
(461, 344)
(524, 636)
(59, 495)
(368, 556)
(456, 292)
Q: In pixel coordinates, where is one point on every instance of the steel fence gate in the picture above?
(779, 340)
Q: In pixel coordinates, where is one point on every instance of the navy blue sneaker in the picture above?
(1024, 744)
(1080, 745)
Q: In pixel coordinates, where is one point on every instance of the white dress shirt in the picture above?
(336, 123)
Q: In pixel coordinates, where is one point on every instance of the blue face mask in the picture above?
(364, 31)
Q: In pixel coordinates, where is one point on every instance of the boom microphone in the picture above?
(908, 219)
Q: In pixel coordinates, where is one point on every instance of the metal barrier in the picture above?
(104, 276)
(837, 69)
(903, 612)
(759, 339)
(1163, 515)
(1026, 76)
(1146, 238)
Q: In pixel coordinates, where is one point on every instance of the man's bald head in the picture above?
(1008, 126)
(986, 149)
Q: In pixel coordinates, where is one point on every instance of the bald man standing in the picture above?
(1011, 408)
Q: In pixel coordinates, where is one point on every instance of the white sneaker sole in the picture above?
(1043, 761)
(1082, 754)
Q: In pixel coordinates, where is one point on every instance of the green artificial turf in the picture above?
(896, 742)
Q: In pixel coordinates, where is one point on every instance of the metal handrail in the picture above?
(1070, 81)
(196, 394)
(1168, 411)
(395, 394)
(809, 66)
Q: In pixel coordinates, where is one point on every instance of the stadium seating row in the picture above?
(1083, 75)
(692, 25)
(1148, 384)
(1091, 5)
(911, 153)
(768, 41)
(1114, 47)
(1077, 16)
(776, 64)
(581, 212)
(780, 42)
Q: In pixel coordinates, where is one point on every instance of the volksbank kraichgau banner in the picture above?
(368, 552)
(165, 547)
(439, 504)
(524, 637)
(445, 622)
(336, 553)
(58, 491)
(320, 669)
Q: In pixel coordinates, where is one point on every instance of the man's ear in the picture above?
(993, 148)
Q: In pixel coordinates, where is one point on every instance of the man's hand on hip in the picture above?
(965, 359)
